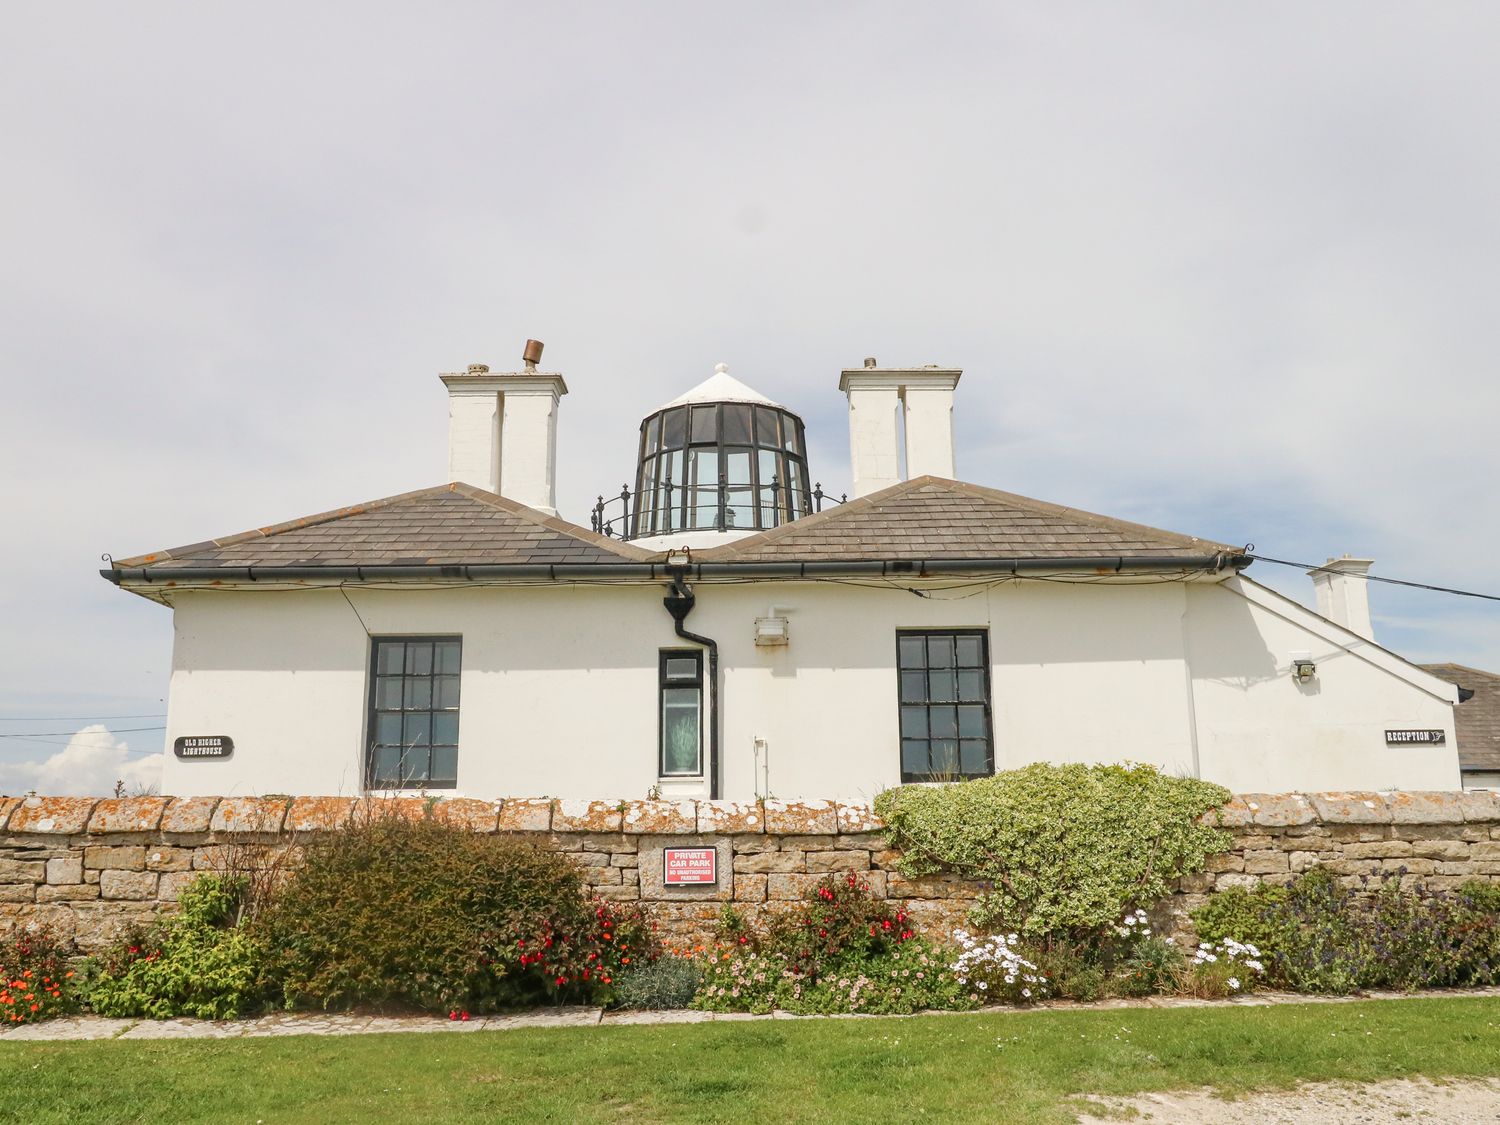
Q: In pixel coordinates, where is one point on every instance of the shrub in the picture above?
(1320, 935)
(201, 961)
(430, 915)
(667, 982)
(35, 981)
(838, 951)
(1063, 850)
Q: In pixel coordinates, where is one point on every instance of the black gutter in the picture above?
(679, 604)
(560, 572)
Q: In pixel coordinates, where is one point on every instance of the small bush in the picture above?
(667, 982)
(35, 981)
(839, 951)
(1064, 850)
(424, 914)
(1222, 968)
(201, 962)
(1320, 935)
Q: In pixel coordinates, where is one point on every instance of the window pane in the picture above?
(389, 657)
(445, 729)
(944, 754)
(789, 430)
(669, 469)
(415, 763)
(682, 667)
(418, 694)
(914, 722)
(970, 652)
(388, 693)
(940, 652)
(680, 733)
(974, 757)
(388, 729)
(941, 686)
(447, 692)
(446, 653)
(767, 432)
(419, 658)
(913, 687)
(417, 730)
(944, 722)
(653, 434)
(739, 508)
(913, 756)
(971, 686)
(736, 424)
(673, 423)
(444, 765)
(386, 773)
(913, 652)
(705, 423)
(971, 722)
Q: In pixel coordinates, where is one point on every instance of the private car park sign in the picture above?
(689, 867)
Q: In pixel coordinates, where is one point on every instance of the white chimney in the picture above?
(502, 430)
(1343, 594)
(879, 397)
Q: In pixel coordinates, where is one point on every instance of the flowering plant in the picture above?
(1222, 968)
(35, 981)
(994, 971)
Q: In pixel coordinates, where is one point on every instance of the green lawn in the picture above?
(1019, 1067)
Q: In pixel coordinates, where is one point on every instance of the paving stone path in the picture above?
(311, 1023)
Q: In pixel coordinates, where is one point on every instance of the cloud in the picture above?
(90, 764)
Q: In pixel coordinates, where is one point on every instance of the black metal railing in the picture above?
(705, 508)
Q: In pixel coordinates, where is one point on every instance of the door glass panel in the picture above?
(680, 733)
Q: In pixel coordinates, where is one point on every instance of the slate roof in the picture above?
(1478, 718)
(935, 518)
(452, 523)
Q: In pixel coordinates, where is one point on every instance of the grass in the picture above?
(1019, 1067)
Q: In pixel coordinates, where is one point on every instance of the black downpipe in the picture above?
(679, 604)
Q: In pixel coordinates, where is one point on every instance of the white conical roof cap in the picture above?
(721, 386)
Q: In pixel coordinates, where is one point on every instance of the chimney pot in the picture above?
(533, 354)
(479, 369)
(870, 361)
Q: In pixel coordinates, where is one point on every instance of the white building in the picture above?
(726, 639)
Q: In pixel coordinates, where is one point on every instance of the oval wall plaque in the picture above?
(193, 747)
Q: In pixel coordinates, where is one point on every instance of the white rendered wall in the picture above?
(559, 687)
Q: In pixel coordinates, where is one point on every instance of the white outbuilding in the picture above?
(725, 630)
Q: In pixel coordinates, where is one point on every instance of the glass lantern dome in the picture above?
(720, 459)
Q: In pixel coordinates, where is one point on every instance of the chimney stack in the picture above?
(880, 400)
(1343, 594)
(502, 430)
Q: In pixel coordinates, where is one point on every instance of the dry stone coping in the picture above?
(82, 1028)
(70, 816)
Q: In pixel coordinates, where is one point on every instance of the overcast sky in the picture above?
(1224, 269)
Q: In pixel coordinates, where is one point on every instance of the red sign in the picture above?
(686, 867)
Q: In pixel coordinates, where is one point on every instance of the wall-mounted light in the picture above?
(771, 631)
(1303, 667)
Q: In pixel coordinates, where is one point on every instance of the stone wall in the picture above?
(89, 867)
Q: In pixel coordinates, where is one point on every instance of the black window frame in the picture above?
(662, 684)
(373, 710)
(927, 668)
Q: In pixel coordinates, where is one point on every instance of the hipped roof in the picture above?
(926, 519)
